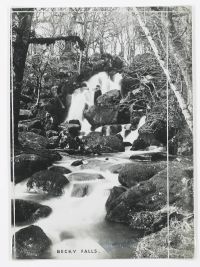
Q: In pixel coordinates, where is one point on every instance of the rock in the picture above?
(84, 176)
(132, 173)
(141, 157)
(104, 144)
(116, 168)
(53, 142)
(51, 133)
(151, 195)
(30, 242)
(154, 156)
(115, 192)
(112, 97)
(27, 212)
(100, 115)
(67, 141)
(111, 129)
(25, 114)
(33, 140)
(26, 164)
(80, 190)
(47, 182)
(139, 144)
(77, 162)
(74, 129)
(59, 169)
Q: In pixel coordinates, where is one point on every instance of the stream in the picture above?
(77, 225)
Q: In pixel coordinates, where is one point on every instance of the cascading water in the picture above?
(85, 96)
(133, 135)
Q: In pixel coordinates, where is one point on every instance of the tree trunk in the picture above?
(178, 95)
(177, 49)
(20, 48)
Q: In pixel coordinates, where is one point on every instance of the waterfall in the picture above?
(133, 135)
(83, 97)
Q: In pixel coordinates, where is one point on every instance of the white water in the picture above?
(83, 97)
(133, 135)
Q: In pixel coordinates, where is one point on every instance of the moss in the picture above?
(181, 242)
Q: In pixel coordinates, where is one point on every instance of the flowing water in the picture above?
(83, 97)
(77, 224)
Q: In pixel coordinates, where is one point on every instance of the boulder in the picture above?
(27, 212)
(132, 173)
(47, 182)
(77, 162)
(100, 115)
(151, 195)
(84, 176)
(59, 169)
(26, 164)
(80, 190)
(33, 140)
(30, 242)
(104, 144)
(139, 144)
(112, 97)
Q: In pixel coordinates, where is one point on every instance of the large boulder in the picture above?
(139, 144)
(47, 182)
(27, 212)
(132, 173)
(30, 242)
(151, 195)
(99, 115)
(104, 144)
(112, 97)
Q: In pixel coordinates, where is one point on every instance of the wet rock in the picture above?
(30, 242)
(33, 140)
(77, 162)
(27, 212)
(141, 157)
(139, 144)
(51, 133)
(132, 173)
(116, 168)
(80, 190)
(25, 114)
(112, 97)
(26, 164)
(59, 169)
(84, 176)
(104, 144)
(47, 182)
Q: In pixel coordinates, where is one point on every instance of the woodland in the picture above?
(144, 56)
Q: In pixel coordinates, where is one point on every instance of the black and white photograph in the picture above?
(101, 133)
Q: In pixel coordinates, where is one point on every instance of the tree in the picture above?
(177, 93)
(21, 33)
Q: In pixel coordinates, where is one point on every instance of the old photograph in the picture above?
(101, 133)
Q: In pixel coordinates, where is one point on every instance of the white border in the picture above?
(5, 134)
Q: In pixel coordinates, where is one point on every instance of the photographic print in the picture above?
(101, 133)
